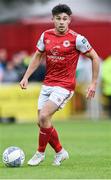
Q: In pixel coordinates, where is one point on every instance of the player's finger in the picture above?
(90, 94)
(23, 86)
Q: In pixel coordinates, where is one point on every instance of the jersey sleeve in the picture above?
(82, 44)
(40, 44)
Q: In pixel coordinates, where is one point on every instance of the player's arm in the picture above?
(34, 64)
(95, 71)
(84, 47)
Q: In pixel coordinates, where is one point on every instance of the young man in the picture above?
(62, 47)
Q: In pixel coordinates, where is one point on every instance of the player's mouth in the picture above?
(61, 28)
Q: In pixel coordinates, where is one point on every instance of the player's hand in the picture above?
(91, 91)
(24, 83)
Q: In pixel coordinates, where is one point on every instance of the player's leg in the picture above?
(60, 96)
(57, 99)
(48, 132)
(43, 98)
(46, 129)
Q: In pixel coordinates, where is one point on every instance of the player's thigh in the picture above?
(48, 109)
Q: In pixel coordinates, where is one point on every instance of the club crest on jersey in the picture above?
(66, 43)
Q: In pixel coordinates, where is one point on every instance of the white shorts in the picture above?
(56, 94)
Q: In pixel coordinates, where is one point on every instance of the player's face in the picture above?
(61, 22)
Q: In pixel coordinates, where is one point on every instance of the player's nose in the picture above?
(61, 22)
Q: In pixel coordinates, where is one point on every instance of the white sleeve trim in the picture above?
(82, 44)
(40, 44)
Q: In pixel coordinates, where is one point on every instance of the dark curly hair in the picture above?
(61, 8)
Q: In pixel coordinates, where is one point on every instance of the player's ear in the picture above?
(52, 18)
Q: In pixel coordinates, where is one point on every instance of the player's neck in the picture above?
(61, 33)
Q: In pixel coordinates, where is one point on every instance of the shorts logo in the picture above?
(66, 43)
(58, 99)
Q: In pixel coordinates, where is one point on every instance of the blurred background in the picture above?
(21, 24)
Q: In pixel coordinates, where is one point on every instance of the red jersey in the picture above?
(62, 53)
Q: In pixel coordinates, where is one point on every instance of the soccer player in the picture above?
(62, 48)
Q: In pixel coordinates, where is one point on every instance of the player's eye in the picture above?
(64, 19)
(58, 18)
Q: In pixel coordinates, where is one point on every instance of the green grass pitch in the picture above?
(88, 144)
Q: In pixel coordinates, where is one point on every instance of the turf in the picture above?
(88, 143)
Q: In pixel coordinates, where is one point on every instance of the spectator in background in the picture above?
(3, 61)
(12, 71)
(1, 72)
(39, 74)
(106, 83)
(18, 61)
(21, 61)
(10, 74)
(3, 57)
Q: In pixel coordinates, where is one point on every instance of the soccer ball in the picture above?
(13, 157)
